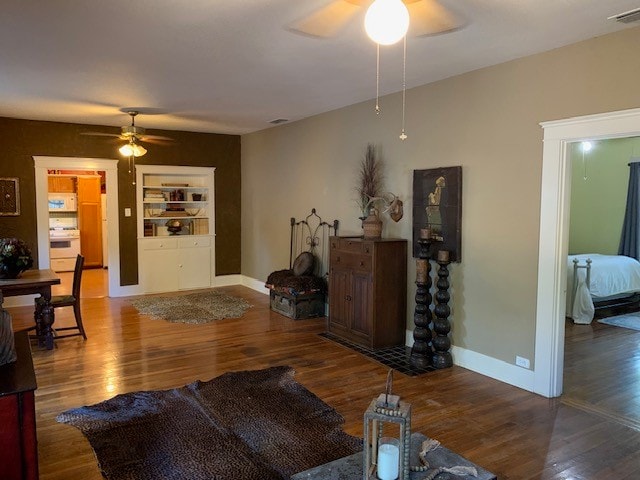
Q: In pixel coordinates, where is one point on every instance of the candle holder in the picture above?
(387, 457)
(441, 325)
(421, 352)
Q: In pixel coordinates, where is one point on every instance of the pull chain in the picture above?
(132, 169)
(377, 78)
(403, 135)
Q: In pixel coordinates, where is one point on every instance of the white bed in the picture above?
(610, 276)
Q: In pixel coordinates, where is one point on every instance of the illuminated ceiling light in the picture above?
(132, 149)
(587, 146)
(387, 21)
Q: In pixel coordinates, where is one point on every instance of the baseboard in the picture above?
(488, 366)
(126, 291)
(227, 280)
(257, 285)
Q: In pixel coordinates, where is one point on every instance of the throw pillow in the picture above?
(303, 264)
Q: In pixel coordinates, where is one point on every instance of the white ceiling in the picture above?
(231, 66)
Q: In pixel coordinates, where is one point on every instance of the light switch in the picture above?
(127, 212)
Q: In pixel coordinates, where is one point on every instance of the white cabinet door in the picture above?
(195, 262)
(159, 260)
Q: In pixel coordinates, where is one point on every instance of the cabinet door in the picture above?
(62, 184)
(194, 268)
(90, 220)
(339, 297)
(160, 271)
(362, 320)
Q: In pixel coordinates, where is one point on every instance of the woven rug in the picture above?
(201, 307)
(628, 320)
(247, 425)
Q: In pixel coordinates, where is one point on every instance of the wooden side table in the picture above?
(18, 446)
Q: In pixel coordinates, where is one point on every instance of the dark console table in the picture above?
(18, 449)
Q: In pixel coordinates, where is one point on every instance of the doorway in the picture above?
(600, 368)
(554, 231)
(42, 167)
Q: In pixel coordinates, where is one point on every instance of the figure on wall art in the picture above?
(434, 217)
(437, 206)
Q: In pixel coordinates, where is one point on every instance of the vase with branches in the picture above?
(370, 180)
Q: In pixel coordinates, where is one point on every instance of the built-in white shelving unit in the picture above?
(176, 227)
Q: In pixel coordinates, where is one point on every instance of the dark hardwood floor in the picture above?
(602, 371)
(513, 433)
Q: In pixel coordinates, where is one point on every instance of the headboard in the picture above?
(312, 235)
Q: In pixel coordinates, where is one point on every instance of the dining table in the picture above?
(35, 282)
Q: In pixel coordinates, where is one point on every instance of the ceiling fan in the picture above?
(427, 17)
(132, 135)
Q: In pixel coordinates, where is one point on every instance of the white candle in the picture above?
(388, 461)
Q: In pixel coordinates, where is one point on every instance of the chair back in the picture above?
(77, 277)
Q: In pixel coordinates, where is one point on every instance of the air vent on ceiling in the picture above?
(627, 17)
(278, 121)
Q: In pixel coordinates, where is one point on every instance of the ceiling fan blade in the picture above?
(157, 140)
(428, 17)
(327, 21)
(101, 134)
(145, 138)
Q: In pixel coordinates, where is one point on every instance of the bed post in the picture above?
(293, 224)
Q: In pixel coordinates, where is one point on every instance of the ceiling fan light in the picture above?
(386, 21)
(126, 150)
(138, 150)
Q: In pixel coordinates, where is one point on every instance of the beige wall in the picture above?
(486, 121)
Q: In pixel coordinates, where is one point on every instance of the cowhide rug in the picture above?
(246, 425)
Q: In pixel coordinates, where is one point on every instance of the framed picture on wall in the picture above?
(9, 197)
(437, 206)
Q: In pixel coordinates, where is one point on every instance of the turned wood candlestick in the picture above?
(441, 325)
(421, 352)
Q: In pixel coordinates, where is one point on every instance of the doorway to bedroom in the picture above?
(600, 361)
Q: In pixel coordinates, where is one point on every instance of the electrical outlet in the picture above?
(127, 212)
(522, 362)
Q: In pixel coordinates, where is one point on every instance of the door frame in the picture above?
(42, 165)
(554, 234)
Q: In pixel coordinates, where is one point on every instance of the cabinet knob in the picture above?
(195, 243)
(161, 245)
(180, 265)
(362, 264)
(348, 298)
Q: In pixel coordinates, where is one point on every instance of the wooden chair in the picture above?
(72, 300)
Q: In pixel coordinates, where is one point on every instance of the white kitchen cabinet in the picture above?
(181, 258)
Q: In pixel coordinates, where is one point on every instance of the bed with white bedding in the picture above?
(604, 278)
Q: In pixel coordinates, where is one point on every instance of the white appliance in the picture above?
(63, 202)
(64, 247)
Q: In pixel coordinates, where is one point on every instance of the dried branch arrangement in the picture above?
(370, 179)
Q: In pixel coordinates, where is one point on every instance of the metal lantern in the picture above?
(387, 458)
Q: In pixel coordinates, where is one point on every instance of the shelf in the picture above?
(199, 202)
(163, 217)
(165, 187)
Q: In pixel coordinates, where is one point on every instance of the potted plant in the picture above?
(15, 257)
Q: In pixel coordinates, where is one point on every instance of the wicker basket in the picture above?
(372, 226)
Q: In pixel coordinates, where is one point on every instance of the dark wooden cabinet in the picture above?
(18, 448)
(368, 290)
